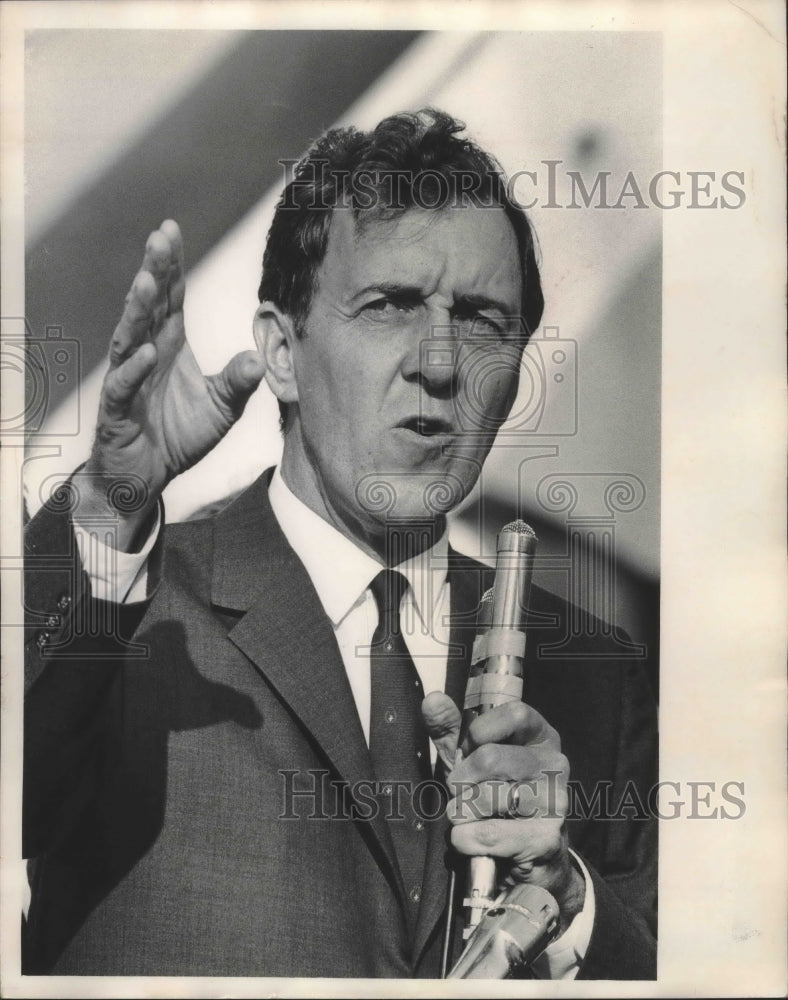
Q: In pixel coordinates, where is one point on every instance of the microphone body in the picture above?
(496, 674)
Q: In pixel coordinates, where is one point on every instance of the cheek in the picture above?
(487, 387)
(340, 415)
(325, 391)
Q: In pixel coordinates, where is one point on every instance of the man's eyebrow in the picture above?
(393, 288)
(470, 301)
(484, 302)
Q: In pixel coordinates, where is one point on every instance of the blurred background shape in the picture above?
(126, 128)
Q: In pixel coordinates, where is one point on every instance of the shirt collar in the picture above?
(323, 550)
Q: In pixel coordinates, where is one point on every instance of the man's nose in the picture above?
(432, 357)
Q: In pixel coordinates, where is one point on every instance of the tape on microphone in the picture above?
(498, 641)
(493, 689)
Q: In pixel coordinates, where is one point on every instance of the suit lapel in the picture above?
(287, 636)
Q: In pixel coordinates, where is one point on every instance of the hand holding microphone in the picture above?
(507, 788)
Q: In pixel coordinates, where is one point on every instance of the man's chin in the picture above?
(410, 496)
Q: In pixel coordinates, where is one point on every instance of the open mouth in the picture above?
(427, 426)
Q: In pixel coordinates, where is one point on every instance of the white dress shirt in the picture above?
(341, 574)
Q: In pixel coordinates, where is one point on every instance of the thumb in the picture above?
(235, 384)
(442, 719)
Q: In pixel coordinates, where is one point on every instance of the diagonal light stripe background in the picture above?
(591, 102)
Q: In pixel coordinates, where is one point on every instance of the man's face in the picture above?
(389, 405)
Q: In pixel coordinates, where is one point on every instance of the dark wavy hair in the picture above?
(412, 159)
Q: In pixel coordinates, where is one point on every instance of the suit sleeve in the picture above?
(623, 939)
(75, 647)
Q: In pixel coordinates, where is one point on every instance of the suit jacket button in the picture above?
(64, 603)
(42, 639)
(53, 621)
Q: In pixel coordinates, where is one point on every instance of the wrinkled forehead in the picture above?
(469, 241)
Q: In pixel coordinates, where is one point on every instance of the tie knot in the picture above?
(388, 588)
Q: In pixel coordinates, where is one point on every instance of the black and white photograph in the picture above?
(393, 499)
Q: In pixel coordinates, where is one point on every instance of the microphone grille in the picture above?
(519, 528)
(517, 536)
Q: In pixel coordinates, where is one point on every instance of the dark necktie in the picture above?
(398, 740)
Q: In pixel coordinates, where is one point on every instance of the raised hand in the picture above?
(158, 413)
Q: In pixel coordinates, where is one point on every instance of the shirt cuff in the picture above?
(562, 958)
(115, 576)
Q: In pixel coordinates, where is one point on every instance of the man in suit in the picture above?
(214, 733)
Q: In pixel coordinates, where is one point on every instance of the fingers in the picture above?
(513, 782)
(442, 719)
(534, 851)
(526, 778)
(158, 255)
(122, 383)
(156, 293)
(527, 799)
(533, 839)
(508, 763)
(233, 386)
(136, 320)
(177, 278)
(159, 261)
(515, 722)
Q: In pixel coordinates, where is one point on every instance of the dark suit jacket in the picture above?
(161, 739)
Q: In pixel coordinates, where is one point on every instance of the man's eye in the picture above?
(384, 305)
(488, 323)
(387, 308)
(481, 326)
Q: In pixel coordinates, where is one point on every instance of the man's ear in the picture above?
(274, 335)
